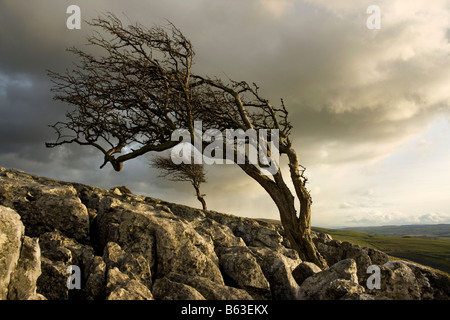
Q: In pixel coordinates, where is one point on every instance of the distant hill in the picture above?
(432, 251)
(434, 231)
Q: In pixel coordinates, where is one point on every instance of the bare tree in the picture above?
(129, 101)
(189, 172)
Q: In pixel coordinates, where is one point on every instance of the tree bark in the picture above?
(298, 229)
(200, 196)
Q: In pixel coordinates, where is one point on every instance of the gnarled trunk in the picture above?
(297, 228)
(200, 196)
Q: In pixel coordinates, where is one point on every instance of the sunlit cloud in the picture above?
(370, 108)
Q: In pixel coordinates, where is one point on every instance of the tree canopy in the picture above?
(129, 101)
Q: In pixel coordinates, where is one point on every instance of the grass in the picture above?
(434, 253)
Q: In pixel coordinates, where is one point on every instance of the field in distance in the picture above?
(430, 251)
(428, 245)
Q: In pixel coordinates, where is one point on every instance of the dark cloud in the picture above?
(354, 95)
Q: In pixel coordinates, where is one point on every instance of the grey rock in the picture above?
(166, 289)
(377, 257)
(57, 247)
(398, 282)
(11, 234)
(304, 270)
(433, 285)
(23, 281)
(209, 289)
(241, 269)
(335, 250)
(120, 287)
(134, 265)
(128, 246)
(113, 255)
(58, 252)
(277, 269)
(159, 236)
(95, 288)
(44, 208)
(53, 280)
(332, 284)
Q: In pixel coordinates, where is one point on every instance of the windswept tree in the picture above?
(189, 172)
(128, 102)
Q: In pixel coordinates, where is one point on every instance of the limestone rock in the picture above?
(53, 280)
(23, 281)
(209, 289)
(377, 257)
(332, 284)
(58, 253)
(135, 247)
(165, 289)
(133, 265)
(304, 270)
(277, 269)
(11, 234)
(44, 208)
(243, 271)
(95, 288)
(398, 282)
(159, 236)
(433, 285)
(120, 287)
(335, 250)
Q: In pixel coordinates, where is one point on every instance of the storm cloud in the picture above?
(370, 108)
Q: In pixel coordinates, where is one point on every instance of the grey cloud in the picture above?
(354, 96)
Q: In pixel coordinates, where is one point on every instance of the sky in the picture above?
(370, 107)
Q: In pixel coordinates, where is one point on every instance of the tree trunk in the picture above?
(200, 196)
(298, 229)
(203, 202)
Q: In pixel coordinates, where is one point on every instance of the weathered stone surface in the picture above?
(377, 257)
(433, 285)
(58, 253)
(332, 284)
(44, 208)
(120, 287)
(335, 250)
(133, 265)
(241, 269)
(165, 289)
(304, 270)
(209, 289)
(136, 247)
(398, 282)
(57, 247)
(95, 288)
(277, 269)
(11, 234)
(159, 236)
(53, 280)
(23, 281)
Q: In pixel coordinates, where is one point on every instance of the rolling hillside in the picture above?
(434, 253)
(435, 231)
